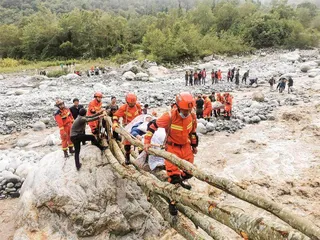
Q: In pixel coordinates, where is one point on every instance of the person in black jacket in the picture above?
(75, 108)
(290, 84)
(79, 135)
(199, 107)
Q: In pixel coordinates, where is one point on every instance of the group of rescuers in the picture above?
(180, 124)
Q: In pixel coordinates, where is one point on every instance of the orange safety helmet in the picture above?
(185, 101)
(131, 98)
(58, 102)
(98, 94)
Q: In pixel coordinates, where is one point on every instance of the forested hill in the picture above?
(160, 30)
(12, 10)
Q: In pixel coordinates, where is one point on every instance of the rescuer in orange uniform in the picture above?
(128, 111)
(182, 140)
(207, 112)
(94, 107)
(221, 100)
(227, 106)
(64, 121)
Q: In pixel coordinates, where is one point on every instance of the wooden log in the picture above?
(204, 222)
(180, 223)
(297, 222)
(255, 228)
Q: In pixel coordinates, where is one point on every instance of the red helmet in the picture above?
(185, 101)
(131, 98)
(58, 102)
(98, 94)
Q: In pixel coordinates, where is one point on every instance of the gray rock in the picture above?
(201, 120)
(132, 66)
(23, 142)
(291, 57)
(9, 190)
(306, 66)
(39, 126)
(45, 120)
(262, 117)
(18, 185)
(158, 71)
(129, 75)
(10, 169)
(258, 96)
(201, 128)
(71, 76)
(255, 119)
(2, 77)
(247, 120)
(94, 200)
(210, 127)
(313, 73)
(141, 77)
(113, 73)
(21, 92)
(10, 185)
(10, 124)
(271, 117)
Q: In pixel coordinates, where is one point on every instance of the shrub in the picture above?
(56, 73)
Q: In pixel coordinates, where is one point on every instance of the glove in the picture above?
(115, 125)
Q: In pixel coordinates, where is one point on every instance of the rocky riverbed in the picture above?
(281, 129)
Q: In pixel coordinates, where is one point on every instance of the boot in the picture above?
(66, 155)
(185, 184)
(78, 167)
(172, 208)
(176, 179)
(71, 150)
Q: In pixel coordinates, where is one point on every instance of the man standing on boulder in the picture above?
(290, 84)
(182, 140)
(128, 111)
(78, 132)
(64, 121)
(95, 106)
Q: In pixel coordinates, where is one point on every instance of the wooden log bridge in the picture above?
(197, 209)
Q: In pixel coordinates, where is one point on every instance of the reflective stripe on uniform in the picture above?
(176, 127)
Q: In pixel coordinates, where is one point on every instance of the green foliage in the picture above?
(56, 73)
(164, 31)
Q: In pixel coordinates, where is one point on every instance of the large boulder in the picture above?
(39, 126)
(306, 66)
(60, 202)
(201, 128)
(258, 96)
(132, 66)
(141, 77)
(313, 72)
(291, 57)
(129, 75)
(71, 76)
(157, 71)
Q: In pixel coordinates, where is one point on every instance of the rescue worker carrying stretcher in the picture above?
(182, 140)
(94, 107)
(128, 111)
(64, 121)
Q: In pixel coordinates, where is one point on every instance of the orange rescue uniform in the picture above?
(228, 105)
(64, 121)
(127, 114)
(207, 108)
(181, 135)
(93, 108)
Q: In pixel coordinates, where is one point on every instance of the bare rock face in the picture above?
(60, 202)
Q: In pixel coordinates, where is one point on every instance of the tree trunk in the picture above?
(303, 225)
(180, 223)
(236, 219)
(204, 222)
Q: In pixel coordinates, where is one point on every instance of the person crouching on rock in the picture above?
(64, 121)
(78, 132)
